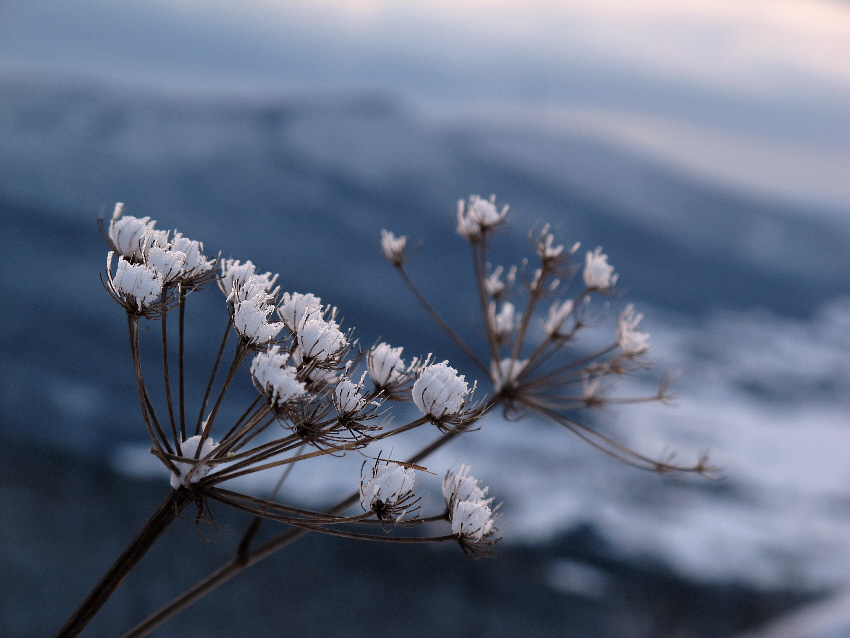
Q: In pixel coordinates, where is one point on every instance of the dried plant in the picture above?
(319, 394)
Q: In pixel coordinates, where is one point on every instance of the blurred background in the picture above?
(704, 145)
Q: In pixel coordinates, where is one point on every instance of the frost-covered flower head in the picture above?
(277, 380)
(196, 267)
(461, 486)
(320, 340)
(387, 369)
(477, 217)
(506, 372)
(348, 398)
(439, 391)
(558, 314)
(472, 521)
(234, 272)
(294, 309)
(167, 262)
(127, 235)
(598, 275)
(504, 321)
(387, 490)
(630, 340)
(137, 287)
(393, 247)
(193, 470)
(250, 319)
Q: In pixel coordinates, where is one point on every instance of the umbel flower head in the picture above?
(472, 519)
(388, 490)
(476, 218)
(192, 470)
(393, 247)
(440, 392)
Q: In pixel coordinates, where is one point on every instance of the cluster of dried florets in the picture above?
(304, 367)
(533, 326)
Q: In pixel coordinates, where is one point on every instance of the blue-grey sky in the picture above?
(752, 93)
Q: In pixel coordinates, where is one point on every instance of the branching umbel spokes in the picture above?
(319, 395)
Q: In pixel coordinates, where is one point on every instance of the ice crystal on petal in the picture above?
(440, 391)
(598, 275)
(295, 308)
(278, 380)
(388, 485)
(631, 341)
(189, 447)
(393, 247)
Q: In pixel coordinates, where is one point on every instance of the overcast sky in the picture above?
(755, 93)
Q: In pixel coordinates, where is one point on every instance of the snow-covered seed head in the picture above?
(598, 275)
(558, 314)
(386, 367)
(169, 263)
(275, 378)
(347, 398)
(504, 321)
(439, 391)
(387, 489)
(506, 372)
(195, 265)
(193, 470)
(461, 486)
(477, 217)
(233, 272)
(128, 234)
(393, 247)
(631, 341)
(320, 340)
(250, 318)
(294, 309)
(137, 286)
(472, 520)
(545, 250)
(493, 284)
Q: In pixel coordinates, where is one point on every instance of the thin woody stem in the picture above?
(138, 547)
(208, 391)
(180, 362)
(166, 378)
(133, 325)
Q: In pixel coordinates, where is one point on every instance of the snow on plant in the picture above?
(308, 406)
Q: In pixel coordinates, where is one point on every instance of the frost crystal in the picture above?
(347, 397)
(388, 485)
(168, 263)
(141, 282)
(233, 272)
(276, 379)
(393, 247)
(440, 391)
(631, 341)
(463, 487)
(477, 216)
(127, 234)
(250, 318)
(295, 308)
(189, 448)
(598, 275)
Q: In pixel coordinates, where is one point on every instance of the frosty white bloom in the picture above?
(493, 283)
(545, 250)
(139, 282)
(185, 469)
(195, 264)
(472, 520)
(167, 262)
(386, 487)
(250, 318)
(127, 234)
(320, 339)
(463, 487)
(393, 247)
(295, 308)
(235, 272)
(440, 391)
(477, 216)
(504, 321)
(631, 341)
(253, 287)
(598, 275)
(347, 397)
(558, 313)
(278, 380)
(386, 366)
(506, 372)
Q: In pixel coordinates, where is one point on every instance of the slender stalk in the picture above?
(133, 325)
(167, 512)
(168, 400)
(181, 388)
(208, 391)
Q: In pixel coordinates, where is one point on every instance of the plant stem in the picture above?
(138, 547)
